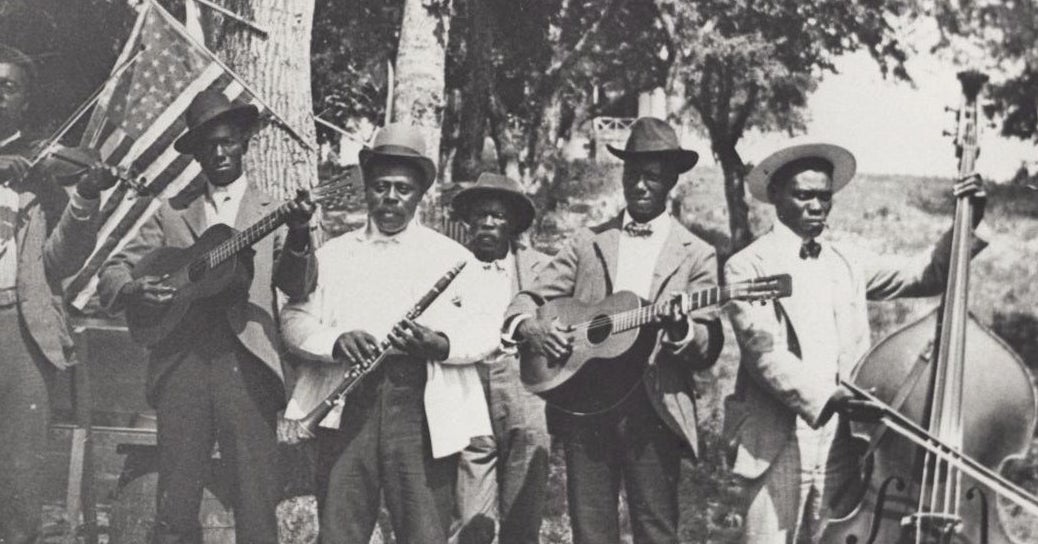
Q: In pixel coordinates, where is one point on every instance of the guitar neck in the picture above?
(639, 317)
(247, 237)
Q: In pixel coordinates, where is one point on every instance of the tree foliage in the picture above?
(1007, 31)
(742, 65)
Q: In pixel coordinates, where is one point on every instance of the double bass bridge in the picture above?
(939, 525)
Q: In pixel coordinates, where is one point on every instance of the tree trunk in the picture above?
(504, 140)
(735, 195)
(278, 68)
(542, 152)
(418, 96)
(475, 99)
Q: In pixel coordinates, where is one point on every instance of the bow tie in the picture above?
(495, 265)
(636, 229)
(810, 249)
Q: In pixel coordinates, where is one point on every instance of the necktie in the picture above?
(638, 229)
(494, 265)
(810, 249)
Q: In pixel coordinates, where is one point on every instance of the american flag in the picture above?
(138, 117)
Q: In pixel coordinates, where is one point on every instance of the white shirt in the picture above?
(637, 255)
(223, 202)
(817, 279)
(368, 281)
(8, 226)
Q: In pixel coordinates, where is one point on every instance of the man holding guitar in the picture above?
(217, 376)
(45, 235)
(639, 441)
(794, 455)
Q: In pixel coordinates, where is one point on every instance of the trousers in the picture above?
(382, 449)
(217, 393)
(791, 500)
(629, 446)
(503, 479)
(25, 405)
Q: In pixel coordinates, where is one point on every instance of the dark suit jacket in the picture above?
(178, 223)
(585, 269)
(52, 244)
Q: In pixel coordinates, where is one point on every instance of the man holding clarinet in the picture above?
(398, 433)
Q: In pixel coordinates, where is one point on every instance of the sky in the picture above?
(891, 127)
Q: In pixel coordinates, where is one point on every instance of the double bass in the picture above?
(957, 406)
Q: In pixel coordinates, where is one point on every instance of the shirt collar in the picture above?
(371, 235)
(10, 139)
(234, 189)
(660, 224)
(500, 265)
(789, 240)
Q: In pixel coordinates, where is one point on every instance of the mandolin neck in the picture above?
(247, 237)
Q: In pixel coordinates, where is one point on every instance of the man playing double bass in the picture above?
(793, 453)
(640, 442)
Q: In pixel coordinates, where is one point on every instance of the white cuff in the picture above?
(508, 335)
(321, 345)
(677, 345)
(83, 209)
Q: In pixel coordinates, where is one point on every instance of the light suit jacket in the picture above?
(773, 387)
(179, 222)
(585, 269)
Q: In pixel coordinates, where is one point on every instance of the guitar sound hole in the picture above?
(601, 329)
(196, 270)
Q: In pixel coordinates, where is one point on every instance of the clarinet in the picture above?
(305, 427)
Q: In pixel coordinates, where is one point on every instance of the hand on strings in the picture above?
(300, 210)
(419, 341)
(548, 337)
(13, 167)
(673, 319)
(148, 290)
(972, 186)
(850, 405)
(355, 347)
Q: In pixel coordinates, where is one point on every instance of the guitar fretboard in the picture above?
(247, 237)
(644, 315)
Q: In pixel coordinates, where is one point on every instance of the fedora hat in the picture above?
(842, 161)
(652, 137)
(490, 184)
(207, 108)
(402, 142)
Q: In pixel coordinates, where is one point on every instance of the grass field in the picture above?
(886, 214)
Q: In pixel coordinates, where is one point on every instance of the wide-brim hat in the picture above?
(208, 108)
(490, 184)
(652, 137)
(842, 161)
(403, 142)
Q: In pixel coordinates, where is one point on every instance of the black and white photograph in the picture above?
(518, 271)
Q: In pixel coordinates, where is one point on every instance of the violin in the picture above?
(958, 405)
(66, 164)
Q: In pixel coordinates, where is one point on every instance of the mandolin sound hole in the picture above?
(600, 330)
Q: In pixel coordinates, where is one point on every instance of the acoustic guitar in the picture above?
(208, 267)
(612, 341)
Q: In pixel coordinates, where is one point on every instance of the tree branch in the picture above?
(742, 116)
(565, 61)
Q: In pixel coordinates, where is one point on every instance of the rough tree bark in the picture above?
(475, 99)
(277, 160)
(418, 96)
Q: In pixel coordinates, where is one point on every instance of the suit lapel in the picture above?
(672, 254)
(526, 265)
(607, 247)
(194, 216)
(777, 260)
(24, 217)
(254, 205)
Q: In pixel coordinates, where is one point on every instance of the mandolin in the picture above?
(612, 341)
(208, 267)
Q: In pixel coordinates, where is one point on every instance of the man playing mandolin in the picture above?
(640, 441)
(793, 454)
(218, 376)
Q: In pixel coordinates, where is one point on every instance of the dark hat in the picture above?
(403, 142)
(842, 161)
(495, 184)
(654, 137)
(208, 107)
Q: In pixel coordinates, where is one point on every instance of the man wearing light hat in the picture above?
(398, 435)
(218, 378)
(794, 455)
(640, 442)
(502, 477)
